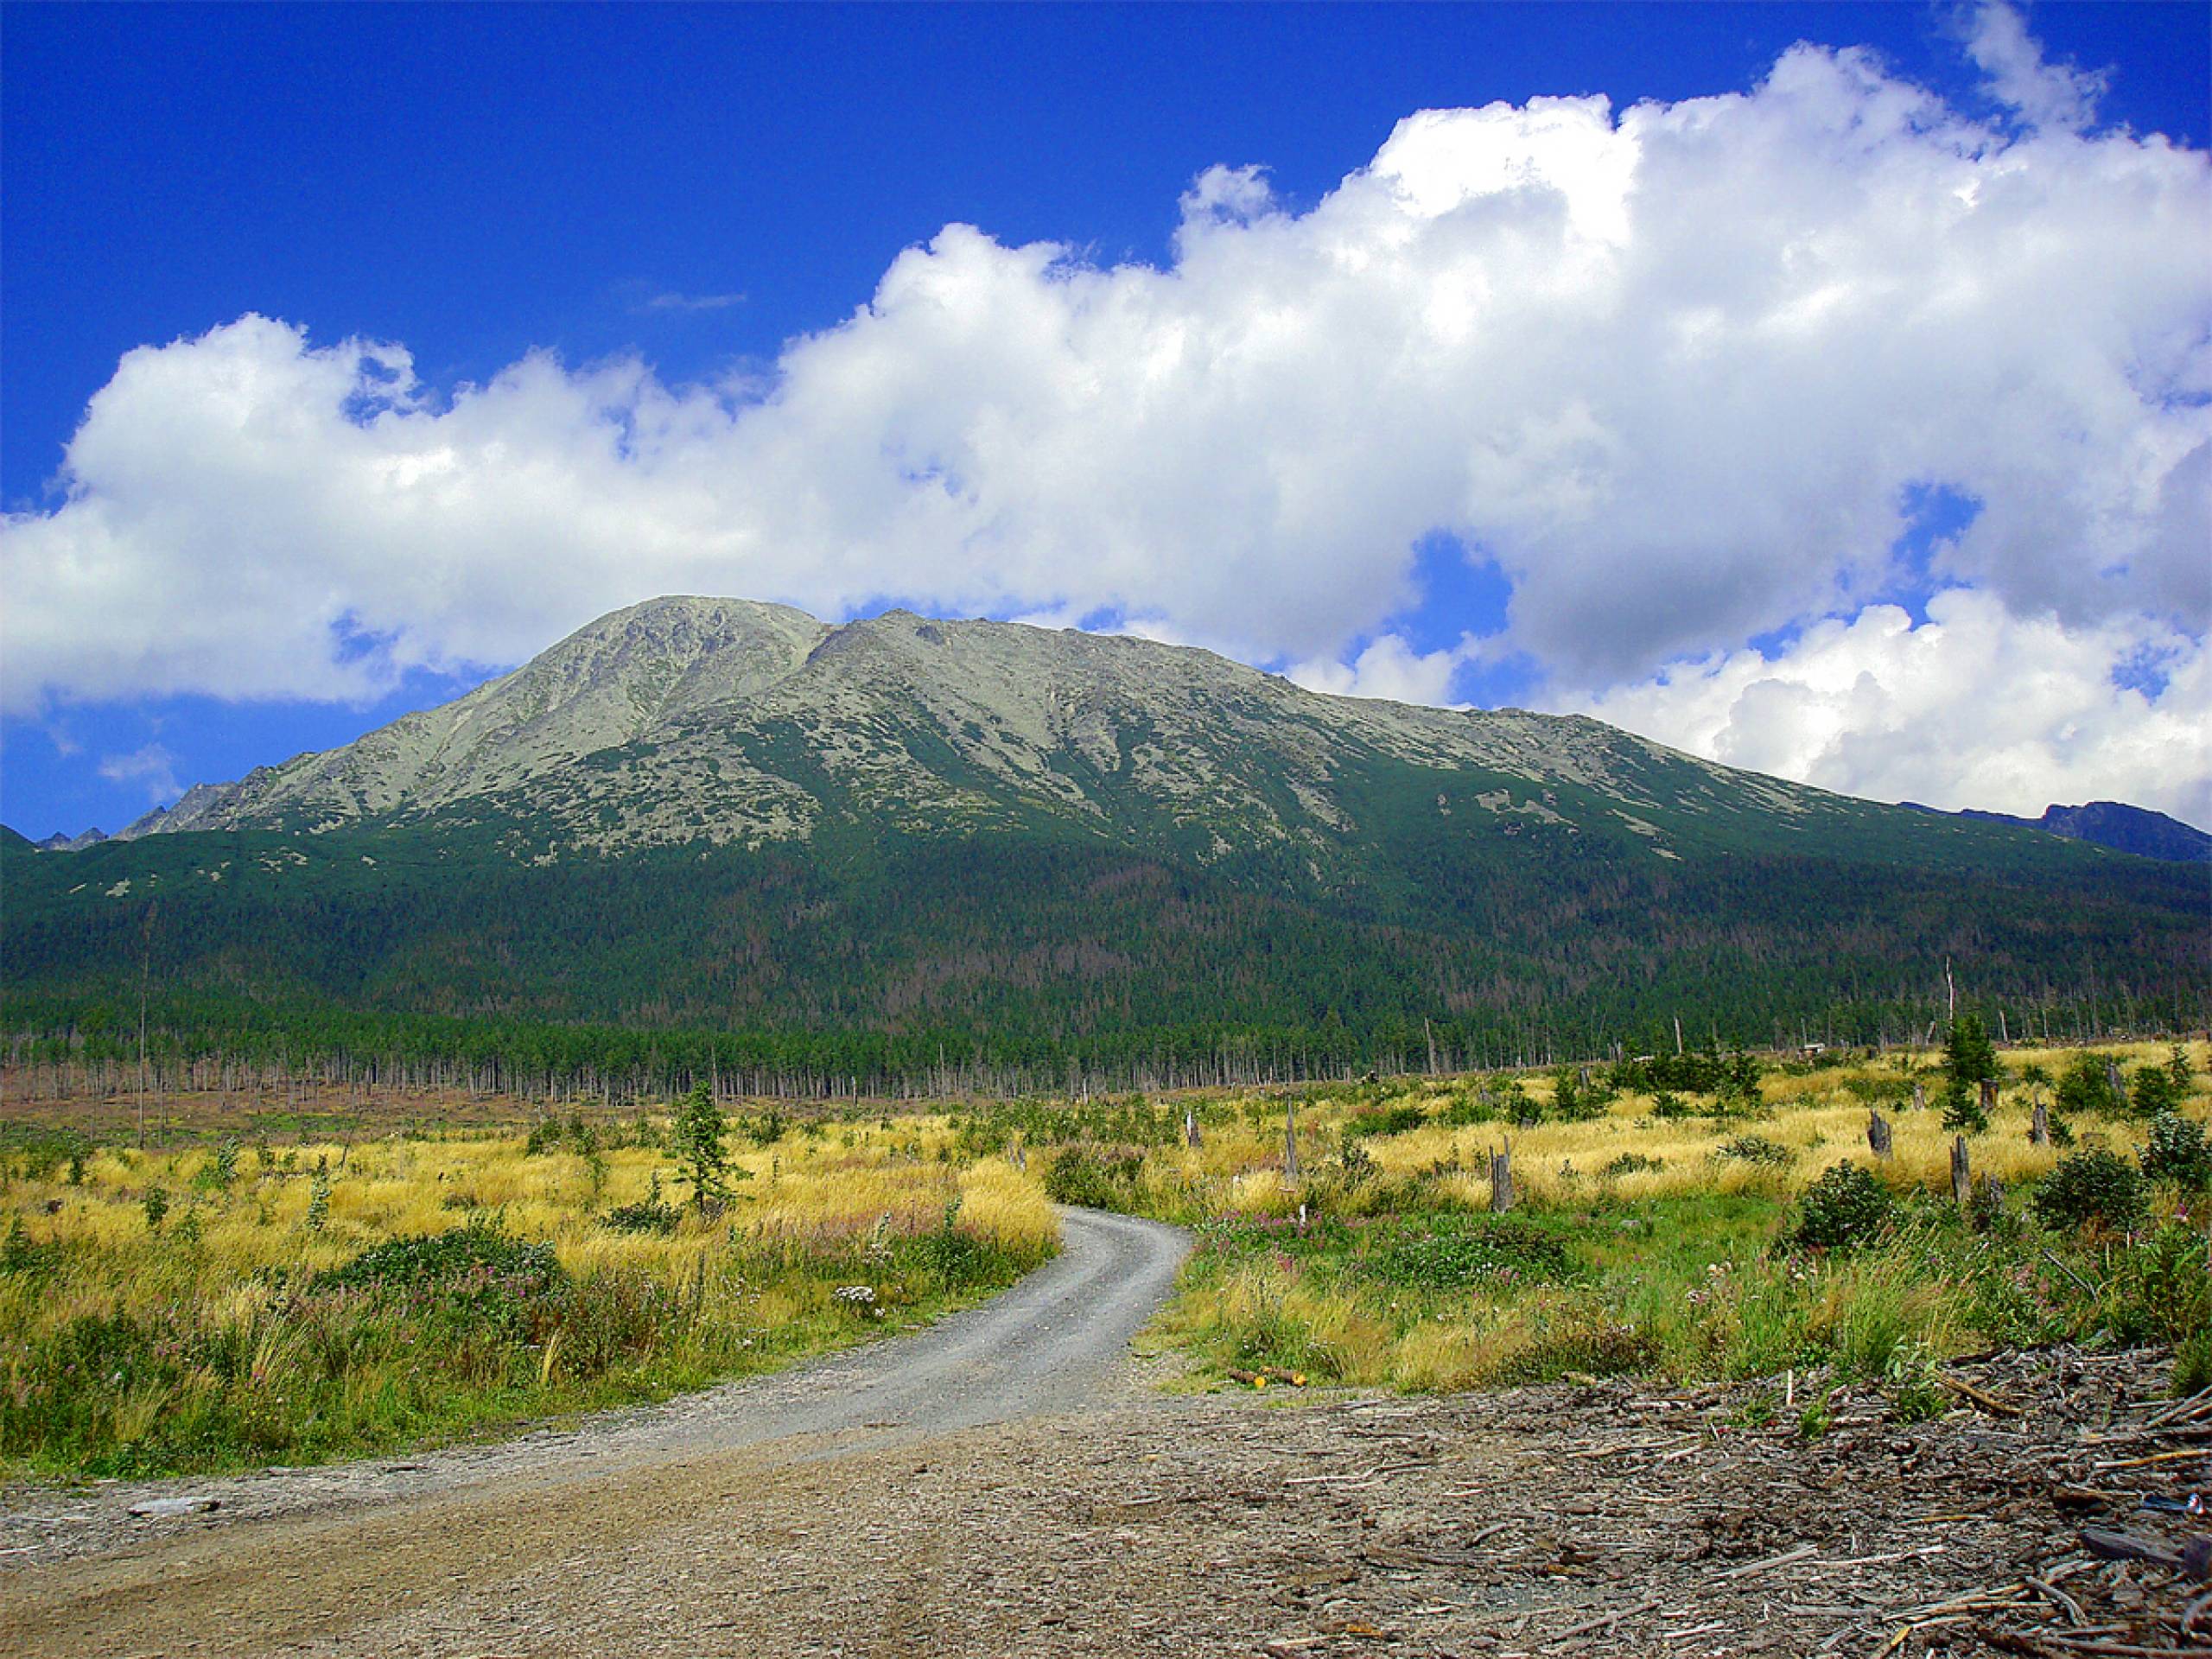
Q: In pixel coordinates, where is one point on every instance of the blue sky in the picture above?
(686, 191)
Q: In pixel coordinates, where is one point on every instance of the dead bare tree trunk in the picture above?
(1191, 1127)
(1961, 1172)
(1919, 1096)
(1289, 1140)
(1988, 1094)
(1877, 1132)
(2039, 1127)
(1501, 1180)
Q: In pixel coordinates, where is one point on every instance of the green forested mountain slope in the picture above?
(870, 842)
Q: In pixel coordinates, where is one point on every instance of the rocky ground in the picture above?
(1604, 1518)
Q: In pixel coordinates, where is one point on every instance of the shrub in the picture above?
(157, 1207)
(1396, 1120)
(1630, 1163)
(2178, 1151)
(2085, 1086)
(1095, 1177)
(1847, 1206)
(1670, 1106)
(468, 1255)
(1757, 1150)
(220, 1171)
(2152, 1093)
(1468, 1110)
(2095, 1185)
(1451, 1252)
(647, 1215)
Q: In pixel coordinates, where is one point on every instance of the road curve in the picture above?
(296, 1555)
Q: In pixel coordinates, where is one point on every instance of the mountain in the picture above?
(2115, 824)
(686, 720)
(857, 846)
(59, 843)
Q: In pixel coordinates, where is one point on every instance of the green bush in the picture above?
(2085, 1086)
(1095, 1177)
(1755, 1149)
(1467, 1111)
(468, 1257)
(648, 1215)
(1448, 1251)
(2152, 1093)
(2179, 1152)
(1847, 1206)
(1396, 1120)
(2095, 1185)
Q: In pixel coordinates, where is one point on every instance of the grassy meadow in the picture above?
(1665, 1231)
(235, 1304)
(228, 1303)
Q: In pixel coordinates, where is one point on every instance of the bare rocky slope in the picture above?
(707, 720)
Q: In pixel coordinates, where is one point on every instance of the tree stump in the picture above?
(1290, 1140)
(1961, 1172)
(1501, 1181)
(1919, 1096)
(2039, 1127)
(1191, 1127)
(1877, 1132)
(1988, 1094)
(2118, 1084)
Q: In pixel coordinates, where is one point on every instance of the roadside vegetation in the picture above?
(239, 1303)
(1705, 1217)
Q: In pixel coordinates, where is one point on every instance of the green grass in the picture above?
(1686, 1287)
(419, 1341)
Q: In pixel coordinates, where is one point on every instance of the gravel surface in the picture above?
(1035, 1494)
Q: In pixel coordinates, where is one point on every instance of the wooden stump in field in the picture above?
(1501, 1181)
(2039, 1127)
(1290, 1140)
(1877, 1132)
(1988, 1094)
(1961, 1172)
(1919, 1096)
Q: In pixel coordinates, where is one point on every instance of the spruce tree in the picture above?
(697, 1144)
(1968, 1058)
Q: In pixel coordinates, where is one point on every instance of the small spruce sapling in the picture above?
(1969, 1058)
(697, 1140)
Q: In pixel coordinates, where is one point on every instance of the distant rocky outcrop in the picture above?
(2115, 824)
(58, 842)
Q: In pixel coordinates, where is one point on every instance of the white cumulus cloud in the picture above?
(1676, 370)
(1973, 707)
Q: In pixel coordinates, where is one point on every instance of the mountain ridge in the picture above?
(678, 719)
(2125, 829)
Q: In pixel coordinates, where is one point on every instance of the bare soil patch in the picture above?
(1599, 1518)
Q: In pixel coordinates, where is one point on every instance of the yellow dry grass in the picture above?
(843, 1180)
